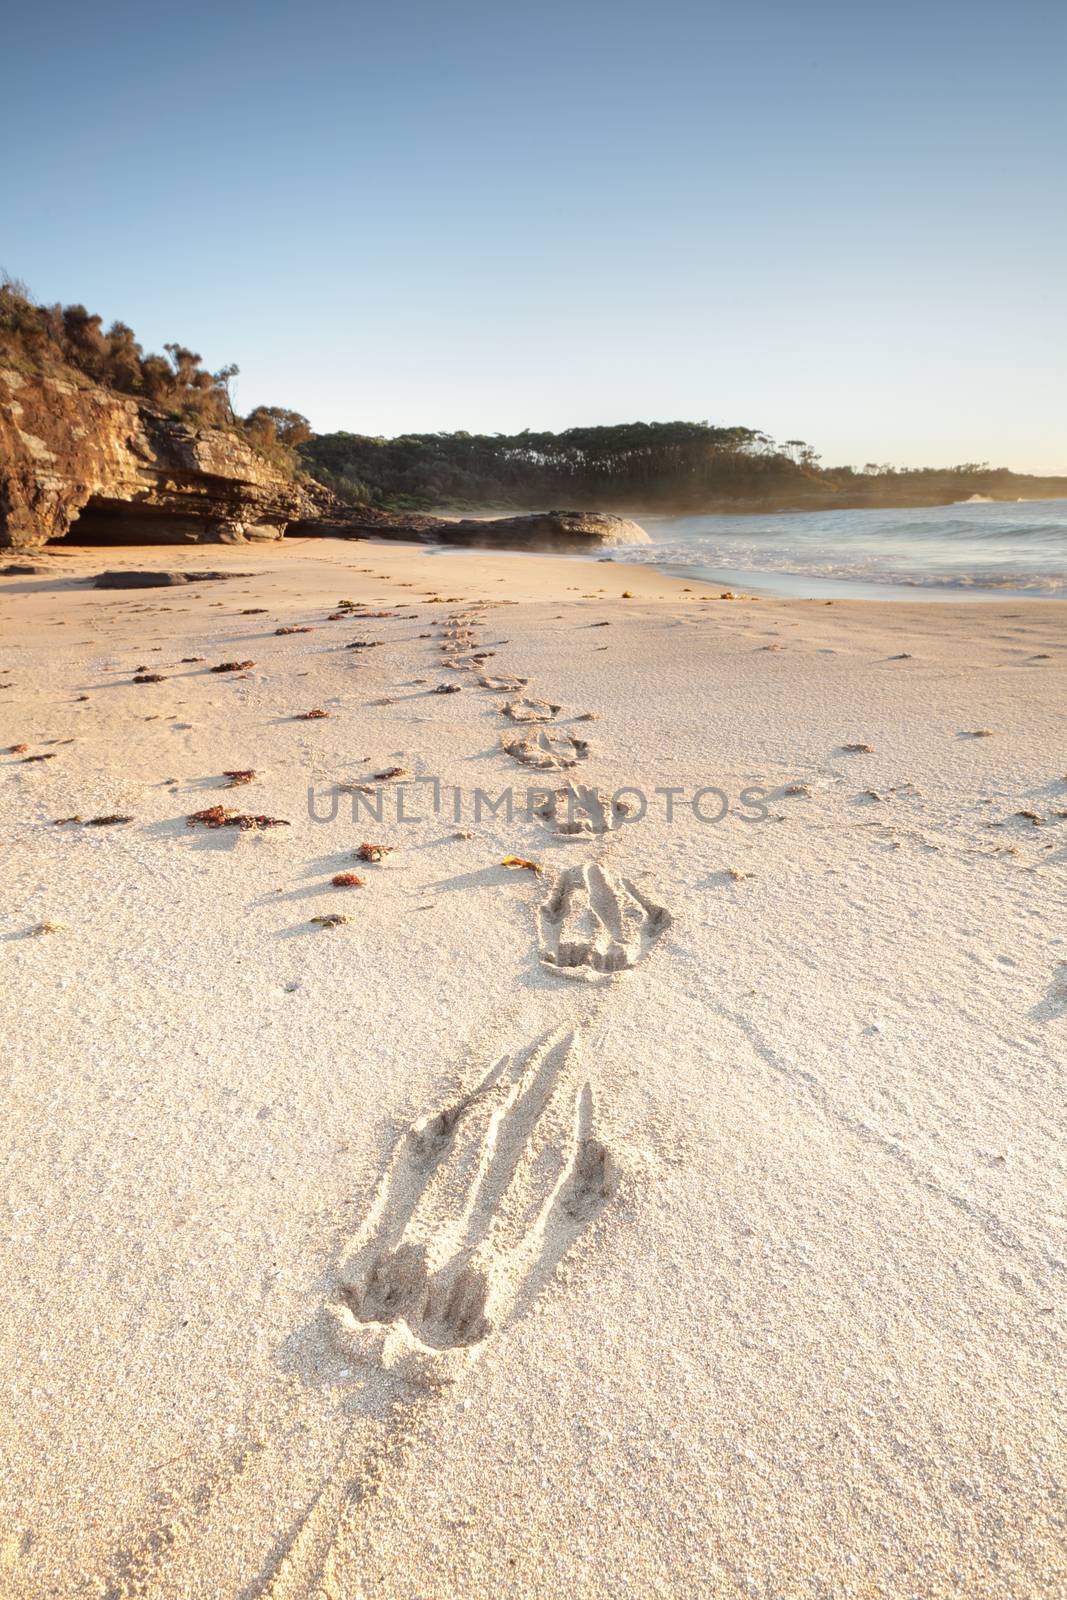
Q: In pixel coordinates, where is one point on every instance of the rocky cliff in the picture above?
(73, 456)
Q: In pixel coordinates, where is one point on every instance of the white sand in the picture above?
(806, 1346)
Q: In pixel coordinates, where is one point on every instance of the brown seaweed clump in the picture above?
(390, 772)
(374, 852)
(149, 677)
(221, 817)
(314, 715)
(292, 628)
(347, 880)
(233, 666)
(112, 820)
(239, 776)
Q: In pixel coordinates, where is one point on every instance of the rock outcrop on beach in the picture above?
(87, 461)
(541, 530)
(77, 456)
(546, 530)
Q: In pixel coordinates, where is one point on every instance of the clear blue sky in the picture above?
(840, 222)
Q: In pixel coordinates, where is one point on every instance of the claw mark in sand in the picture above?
(592, 925)
(477, 1207)
(548, 747)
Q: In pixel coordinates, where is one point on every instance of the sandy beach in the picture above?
(682, 1217)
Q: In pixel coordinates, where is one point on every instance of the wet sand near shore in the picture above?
(677, 1209)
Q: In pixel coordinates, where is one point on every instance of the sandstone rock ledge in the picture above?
(546, 530)
(541, 530)
(114, 469)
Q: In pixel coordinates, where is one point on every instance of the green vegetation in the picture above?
(70, 340)
(640, 464)
(635, 467)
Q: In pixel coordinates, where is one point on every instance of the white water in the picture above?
(972, 549)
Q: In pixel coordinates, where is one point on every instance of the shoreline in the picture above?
(767, 584)
(823, 1055)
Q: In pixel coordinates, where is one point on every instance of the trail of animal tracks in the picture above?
(678, 1213)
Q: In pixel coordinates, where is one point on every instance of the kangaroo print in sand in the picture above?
(577, 811)
(478, 1205)
(592, 924)
(547, 747)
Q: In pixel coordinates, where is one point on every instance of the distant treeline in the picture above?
(637, 467)
(38, 338)
(638, 464)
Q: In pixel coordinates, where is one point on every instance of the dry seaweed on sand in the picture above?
(333, 919)
(188, 661)
(374, 852)
(149, 677)
(221, 817)
(316, 714)
(858, 749)
(447, 688)
(64, 822)
(233, 666)
(254, 611)
(390, 772)
(113, 820)
(291, 629)
(347, 880)
(239, 775)
(521, 863)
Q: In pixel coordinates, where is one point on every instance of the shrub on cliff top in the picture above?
(39, 338)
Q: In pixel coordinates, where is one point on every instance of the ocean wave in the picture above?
(987, 546)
